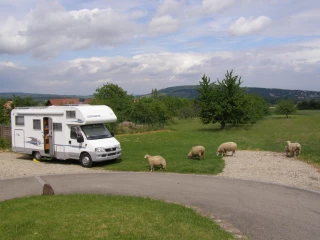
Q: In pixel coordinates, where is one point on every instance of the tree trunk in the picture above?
(223, 124)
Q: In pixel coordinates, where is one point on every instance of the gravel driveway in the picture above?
(251, 165)
(15, 165)
(272, 167)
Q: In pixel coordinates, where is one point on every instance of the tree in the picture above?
(23, 102)
(285, 107)
(116, 98)
(303, 105)
(223, 102)
(179, 107)
(255, 108)
(4, 113)
(311, 104)
(154, 93)
(151, 111)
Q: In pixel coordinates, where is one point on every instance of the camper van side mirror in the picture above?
(112, 134)
(80, 138)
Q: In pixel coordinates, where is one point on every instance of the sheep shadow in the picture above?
(208, 130)
(107, 163)
(227, 128)
(292, 156)
(195, 158)
(157, 168)
(281, 117)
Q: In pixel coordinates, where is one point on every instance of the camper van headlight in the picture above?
(100, 149)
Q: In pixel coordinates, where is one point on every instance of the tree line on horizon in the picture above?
(224, 102)
(308, 105)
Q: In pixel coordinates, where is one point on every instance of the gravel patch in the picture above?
(16, 165)
(272, 167)
(249, 165)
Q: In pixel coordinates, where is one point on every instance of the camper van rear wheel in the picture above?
(85, 160)
(37, 155)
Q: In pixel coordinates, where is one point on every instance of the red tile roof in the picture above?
(87, 101)
(61, 101)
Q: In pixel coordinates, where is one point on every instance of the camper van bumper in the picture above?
(104, 156)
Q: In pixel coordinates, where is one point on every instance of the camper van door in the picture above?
(75, 147)
(51, 138)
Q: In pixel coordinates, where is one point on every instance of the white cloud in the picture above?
(170, 7)
(138, 14)
(299, 55)
(7, 64)
(198, 33)
(11, 65)
(291, 66)
(49, 29)
(163, 25)
(306, 16)
(243, 26)
(215, 6)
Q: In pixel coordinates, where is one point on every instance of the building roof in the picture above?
(87, 101)
(62, 101)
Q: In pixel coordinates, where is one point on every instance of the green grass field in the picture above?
(269, 134)
(102, 217)
(113, 217)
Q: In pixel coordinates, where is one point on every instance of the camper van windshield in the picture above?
(96, 131)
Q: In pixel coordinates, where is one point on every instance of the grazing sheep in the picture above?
(197, 151)
(156, 161)
(293, 148)
(227, 147)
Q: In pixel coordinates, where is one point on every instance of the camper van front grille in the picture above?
(111, 154)
(110, 149)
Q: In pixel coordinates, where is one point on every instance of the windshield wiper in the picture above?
(100, 136)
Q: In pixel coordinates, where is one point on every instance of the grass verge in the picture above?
(102, 217)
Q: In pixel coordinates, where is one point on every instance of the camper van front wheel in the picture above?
(85, 160)
(37, 155)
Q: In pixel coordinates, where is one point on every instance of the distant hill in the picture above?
(39, 96)
(270, 94)
(181, 91)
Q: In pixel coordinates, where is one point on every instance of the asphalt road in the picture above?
(260, 210)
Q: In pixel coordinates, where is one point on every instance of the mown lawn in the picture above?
(269, 134)
(102, 217)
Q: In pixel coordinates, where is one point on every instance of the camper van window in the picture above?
(57, 127)
(36, 124)
(73, 133)
(96, 131)
(20, 120)
(71, 114)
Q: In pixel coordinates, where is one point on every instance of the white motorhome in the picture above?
(65, 132)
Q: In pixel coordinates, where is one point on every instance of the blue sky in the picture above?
(77, 46)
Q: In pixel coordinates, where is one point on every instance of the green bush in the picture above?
(4, 143)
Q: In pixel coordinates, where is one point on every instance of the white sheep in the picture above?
(227, 147)
(293, 148)
(196, 151)
(156, 161)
